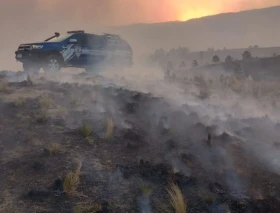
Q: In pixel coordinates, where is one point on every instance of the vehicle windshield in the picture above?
(59, 38)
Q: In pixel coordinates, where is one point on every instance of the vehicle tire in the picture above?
(53, 63)
(89, 69)
(31, 67)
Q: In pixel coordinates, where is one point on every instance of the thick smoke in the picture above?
(232, 113)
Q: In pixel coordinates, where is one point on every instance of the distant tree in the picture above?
(195, 63)
(183, 51)
(201, 55)
(157, 56)
(169, 68)
(183, 64)
(246, 55)
(180, 53)
(170, 65)
(215, 59)
(159, 53)
(256, 46)
(228, 59)
(238, 69)
(274, 54)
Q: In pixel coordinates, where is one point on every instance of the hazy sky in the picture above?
(115, 12)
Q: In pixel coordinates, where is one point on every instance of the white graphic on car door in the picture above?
(78, 51)
(69, 52)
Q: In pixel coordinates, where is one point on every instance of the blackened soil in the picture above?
(151, 143)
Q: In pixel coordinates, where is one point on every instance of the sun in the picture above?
(193, 13)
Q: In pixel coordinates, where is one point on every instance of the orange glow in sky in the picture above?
(188, 9)
(195, 13)
(114, 12)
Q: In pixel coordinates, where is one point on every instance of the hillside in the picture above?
(231, 30)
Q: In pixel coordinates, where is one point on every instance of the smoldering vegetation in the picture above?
(134, 141)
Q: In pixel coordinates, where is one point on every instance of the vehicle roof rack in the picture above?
(112, 35)
(76, 31)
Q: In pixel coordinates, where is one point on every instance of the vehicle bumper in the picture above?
(24, 56)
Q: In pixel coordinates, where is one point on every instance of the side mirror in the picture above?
(73, 41)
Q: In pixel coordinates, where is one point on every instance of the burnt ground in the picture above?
(151, 144)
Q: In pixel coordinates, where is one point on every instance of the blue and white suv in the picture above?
(75, 49)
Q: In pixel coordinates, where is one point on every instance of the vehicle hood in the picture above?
(43, 43)
(47, 46)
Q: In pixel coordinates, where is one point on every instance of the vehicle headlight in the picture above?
(37, 46)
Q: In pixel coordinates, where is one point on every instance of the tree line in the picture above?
(160, 56)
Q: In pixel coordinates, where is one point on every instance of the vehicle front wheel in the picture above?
(53, 64)
(89, 69)
(31, 67)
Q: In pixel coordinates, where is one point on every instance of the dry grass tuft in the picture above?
(54, 148)
(43, 116)
(60, 111)
(72, 180)
(146, 190)
(4, 87)
(209, 199)
(86, 130)
(109, 129)
(85, 208)
(176, 199)
(89, 140)
(74, 103)
(29, 138)
(29, 80)
(46, 102)
(19, 102)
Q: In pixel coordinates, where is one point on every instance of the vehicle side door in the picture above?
(77, 57)
(95, 49)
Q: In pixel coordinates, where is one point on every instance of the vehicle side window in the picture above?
(111, 44)
(122, 45)
(81, 40)
(115, 44)
(94, 41)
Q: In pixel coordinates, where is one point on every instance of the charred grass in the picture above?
(36, 174)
